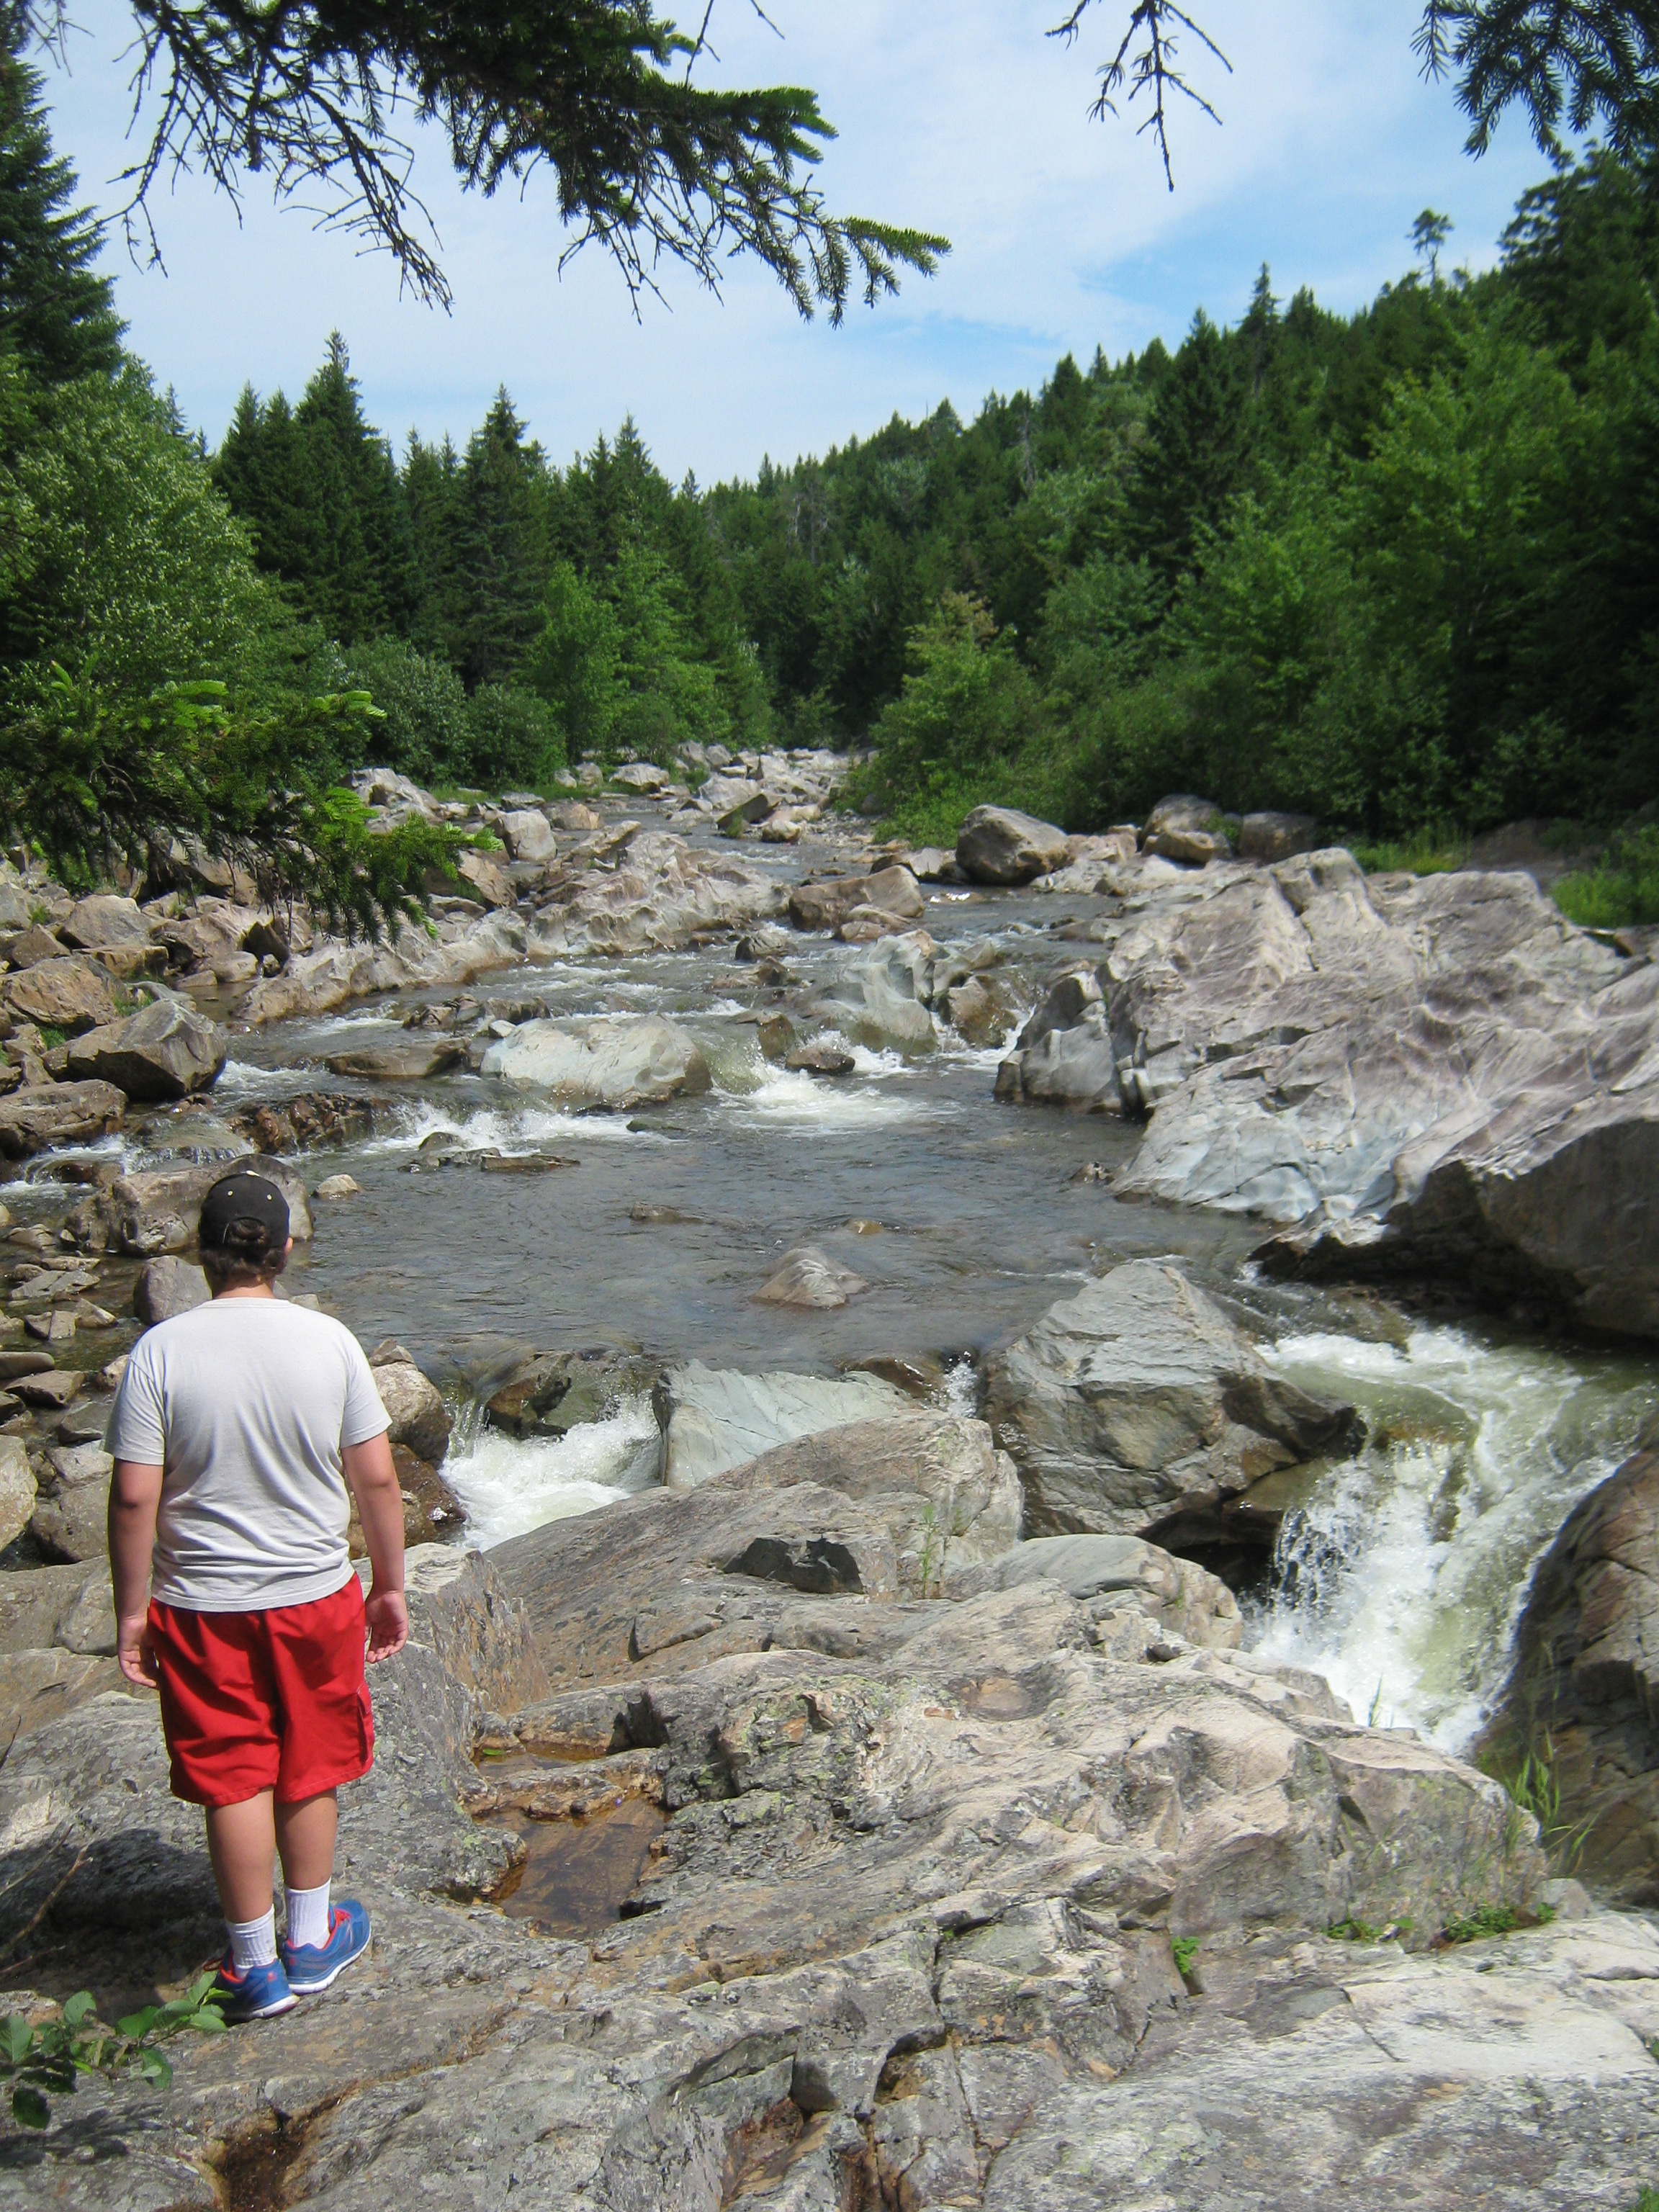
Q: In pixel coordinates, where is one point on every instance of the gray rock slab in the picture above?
(616, 1063)
(718, 1418)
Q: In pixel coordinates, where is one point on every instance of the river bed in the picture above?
(1399, 1573)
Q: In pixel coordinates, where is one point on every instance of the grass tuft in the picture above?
(1621, 889)
(1484, 1920)
(1439, 849)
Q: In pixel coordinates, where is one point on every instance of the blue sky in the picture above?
(954, 115)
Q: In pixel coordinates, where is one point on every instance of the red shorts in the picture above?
(274, 1700)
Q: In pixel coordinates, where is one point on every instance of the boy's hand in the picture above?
(135, 1650)
(387, 1615)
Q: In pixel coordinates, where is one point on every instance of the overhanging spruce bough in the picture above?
(312, 94)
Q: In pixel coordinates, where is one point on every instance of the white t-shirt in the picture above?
(246, 1403)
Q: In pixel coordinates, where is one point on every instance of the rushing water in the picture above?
(1400, 1577)
(1399, 1573)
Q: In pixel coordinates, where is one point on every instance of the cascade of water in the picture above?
(1400, 1575)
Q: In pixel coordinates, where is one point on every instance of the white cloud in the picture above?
(955, 115)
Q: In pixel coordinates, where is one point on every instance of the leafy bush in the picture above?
(424, 730)
(1484, 1920)
(512, 738)
(50, 2056)
(965, 716)
(1623, 890)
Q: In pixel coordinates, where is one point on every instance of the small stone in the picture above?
(58, 1328)
(777, 1036)
(820, 1059)
(52, 1389)
(339, 1186)
(807, 1277)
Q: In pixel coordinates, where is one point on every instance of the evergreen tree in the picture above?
(501, 561)
(363, 580)
(57, 313)
(1194, 457)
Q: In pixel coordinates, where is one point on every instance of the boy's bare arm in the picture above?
(134, 1494)
(374, 1480)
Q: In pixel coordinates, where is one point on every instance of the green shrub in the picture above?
(1438, 850)
(513, 737)
(1484, 1920)
(1624, 889)
(424, 730)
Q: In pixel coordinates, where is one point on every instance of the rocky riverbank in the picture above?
(857, 1775)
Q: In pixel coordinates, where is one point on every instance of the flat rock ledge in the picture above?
(1012, 1898)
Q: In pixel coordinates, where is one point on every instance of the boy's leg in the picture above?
(242, 1844)
(305, 1839)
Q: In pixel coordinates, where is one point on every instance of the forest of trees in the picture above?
(1399, 568)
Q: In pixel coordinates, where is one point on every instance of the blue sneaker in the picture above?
(313, 1966)
(257, 1993)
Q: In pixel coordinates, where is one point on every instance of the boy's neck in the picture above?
(245, 1291)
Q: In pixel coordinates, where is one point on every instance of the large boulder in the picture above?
(1269, 836)
(43, 1114)
(166, 1287)
(878, 996)
(485, 879)
(643, 778)
(1177, 1594)
(70, 993)
(17, 1489)
(616, 1063)
(715, 1418)
(72, 1510)
(528, 835)
(1000, 845)
(412, 1060)
(448, 953)
(829, 902)
(1138, 1407)
(166, 1051)
(104, 919)
(157, 1210)
(1064, 1056)
(420, 1419)
(951, 1500)
(1582, 1702)
(651, 891)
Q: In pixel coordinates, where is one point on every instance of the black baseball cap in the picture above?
(241, 1196)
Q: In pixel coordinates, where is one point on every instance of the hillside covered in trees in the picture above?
(1399, 568)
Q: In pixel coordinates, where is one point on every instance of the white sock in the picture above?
(308, 1915)
(254, 1942)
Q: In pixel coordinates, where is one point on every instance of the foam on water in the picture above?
(513, 1130)
(510, 1484)
(786, 1095)
(1401, 1577)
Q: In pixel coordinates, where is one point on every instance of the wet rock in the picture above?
(822, 1057)
(714, 1419)
(1192, 848)
(948, 1498)
(644, 778)
(807, 1277)
(931, 863)
(1138, 1400)
(40, 1115)
(1065, 1055)
(1583, 1698)
(16, 1489)
(878, 996)
(1269, 837)
(977, 1010)
(527, 836)
(420, 1419)
(562, 1390)
(831, 902)
(576, 819)
(164, 1053)
(616, 1063)
(70, 993)
(414, 1061)
(1181, 812)
(776, 1036)
(157, 1211)
(1000, 845)
(308, 1121)
(166, 1287)
(1179, 1595)
(336, 1187)
(104, 919)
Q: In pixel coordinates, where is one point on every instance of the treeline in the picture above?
(1395, 568)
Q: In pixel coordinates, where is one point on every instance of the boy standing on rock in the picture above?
(237, 1427)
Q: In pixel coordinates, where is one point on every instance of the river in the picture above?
(1399, 1573)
